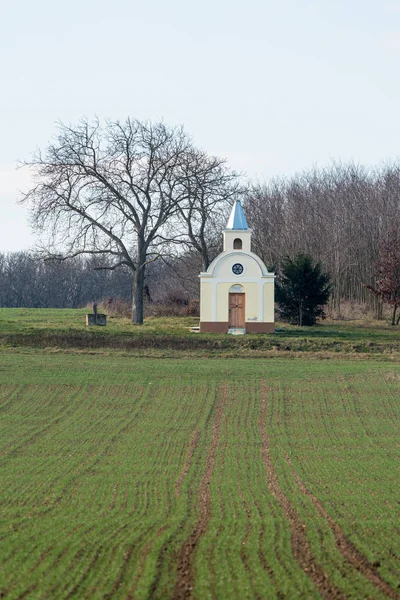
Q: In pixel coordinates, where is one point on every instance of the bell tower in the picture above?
(237, 235)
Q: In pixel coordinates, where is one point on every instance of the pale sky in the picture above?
(275, 86)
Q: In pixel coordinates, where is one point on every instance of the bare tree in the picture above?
(109, 190)
(210, 188)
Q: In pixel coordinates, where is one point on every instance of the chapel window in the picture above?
(237, 244)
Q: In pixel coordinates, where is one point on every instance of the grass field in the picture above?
(169, 337)
(131, 477)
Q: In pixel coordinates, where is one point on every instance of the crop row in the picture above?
(243, 487)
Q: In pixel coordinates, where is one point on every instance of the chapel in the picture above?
(237, 291)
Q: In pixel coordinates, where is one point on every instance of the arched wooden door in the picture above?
(236, 310)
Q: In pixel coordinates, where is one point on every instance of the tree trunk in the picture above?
(138, 281)
(204, 254)
(137, 294)
(137, 297)
(206, 262)
(394, 314)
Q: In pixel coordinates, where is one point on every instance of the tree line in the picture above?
(29, 281)
(140, 199)
(26, 280)
(340, 215)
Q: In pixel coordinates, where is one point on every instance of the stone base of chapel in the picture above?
(254, 327)
(214, 327)
(222, 327)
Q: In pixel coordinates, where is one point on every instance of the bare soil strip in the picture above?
(194, 440)
(185, 567)
(344, 545)
(300, 547)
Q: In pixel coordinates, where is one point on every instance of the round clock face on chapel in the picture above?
(237, 269)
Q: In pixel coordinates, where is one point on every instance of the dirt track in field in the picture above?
(185, 567)
(300, 547)
(347, 549)
(192, 447)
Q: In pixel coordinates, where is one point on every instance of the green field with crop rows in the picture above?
(126, 477)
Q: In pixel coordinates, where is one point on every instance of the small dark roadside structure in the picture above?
(95, 318)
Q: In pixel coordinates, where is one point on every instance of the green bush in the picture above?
(302, 290)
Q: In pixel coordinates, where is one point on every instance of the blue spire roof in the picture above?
(237, 220)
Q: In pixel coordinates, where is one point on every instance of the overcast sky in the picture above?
(275, 86)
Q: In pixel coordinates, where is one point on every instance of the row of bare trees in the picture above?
(26, 280)
(339, 215)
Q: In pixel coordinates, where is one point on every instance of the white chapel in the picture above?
(237, 291)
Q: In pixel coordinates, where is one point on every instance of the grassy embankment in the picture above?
(65, 329)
